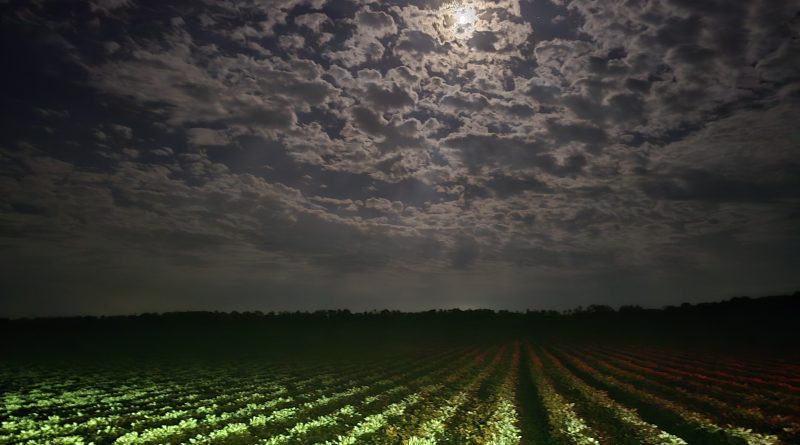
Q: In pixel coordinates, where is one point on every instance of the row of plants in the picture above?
(773, 377)
(184, 407)
(621, 423)
(490, 416)
(390, 425)
(161, 406)
(430, 425)
(326, 425)
(690, 425)
(739, 404)
(111, 390)
(580, 395)
(695, 379)
(564, 426)
(195, 403)
(727, 411)
(754, 366)
(423, 415)
(310, 401)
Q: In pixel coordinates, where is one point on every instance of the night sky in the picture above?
(312, 154)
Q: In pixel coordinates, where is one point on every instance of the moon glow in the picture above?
(462, 18)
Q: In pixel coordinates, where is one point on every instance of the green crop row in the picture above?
(518, 393)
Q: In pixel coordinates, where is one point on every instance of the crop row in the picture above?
(691, 378)
(690, 425)
(210, 407)
(522, 392)
(616, 420)
(725, 404)
(781, 378)
(771, 381)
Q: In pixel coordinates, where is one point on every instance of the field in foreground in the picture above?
(515, 392)
(716, 374)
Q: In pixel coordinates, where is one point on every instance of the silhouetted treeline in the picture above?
(753, 325)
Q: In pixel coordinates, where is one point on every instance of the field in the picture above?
(516, 391)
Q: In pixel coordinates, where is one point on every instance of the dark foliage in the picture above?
(739, 325)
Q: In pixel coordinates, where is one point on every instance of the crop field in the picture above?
(514, 392)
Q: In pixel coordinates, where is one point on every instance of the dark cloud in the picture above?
(378, 20)
(484, 41)
(587, 134)
(480, 150)
(571, 166)
(704, 185)
(388, 98)
(464, 253)
(392, 134)
(465, 102)
(416, 42)
(298, 154)
(505, 186)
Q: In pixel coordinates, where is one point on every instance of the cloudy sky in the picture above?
(307, 154)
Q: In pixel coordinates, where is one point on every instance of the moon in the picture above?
(461, 17)
(465, 16)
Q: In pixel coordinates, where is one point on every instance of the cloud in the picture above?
(464, 253)
(122, 131)
(479, 150)
(365, 45)
(588, 134)
(313, 21)
(207, 136)
(391, 134)
(551, 149)
(380, 24)
(416, 42)
(107, 7)
(393, 97)
(703, 185)
(735, 166)
(360, 50)
(504, 186)
(483, 41)
(269, 100)
(163, 151)
(467, 103)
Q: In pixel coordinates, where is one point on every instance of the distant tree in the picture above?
(600, 309)
(630, 309)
